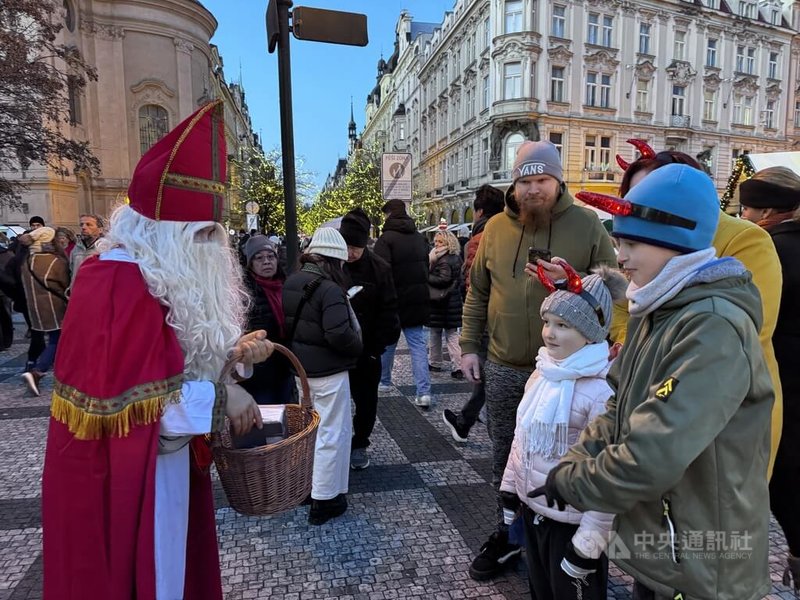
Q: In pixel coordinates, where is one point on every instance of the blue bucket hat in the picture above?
(674, 207)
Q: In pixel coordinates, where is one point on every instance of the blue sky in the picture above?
(324, 76)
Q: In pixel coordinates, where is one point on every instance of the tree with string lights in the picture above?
(38, 76)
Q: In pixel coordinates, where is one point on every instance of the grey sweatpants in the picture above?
(504, 390)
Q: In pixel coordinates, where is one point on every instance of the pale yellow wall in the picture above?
(143, 52)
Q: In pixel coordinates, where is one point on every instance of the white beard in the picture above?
(199, 282)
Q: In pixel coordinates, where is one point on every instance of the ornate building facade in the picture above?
(712, 78)
(155, 66)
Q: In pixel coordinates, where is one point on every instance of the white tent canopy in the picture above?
(452, 227)
(776, 159)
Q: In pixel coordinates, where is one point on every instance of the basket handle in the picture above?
(230, 365)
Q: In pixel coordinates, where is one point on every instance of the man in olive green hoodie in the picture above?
(681, 454)
(503, 301)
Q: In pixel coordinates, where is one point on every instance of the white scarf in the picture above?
(675, 275)
(543, 413)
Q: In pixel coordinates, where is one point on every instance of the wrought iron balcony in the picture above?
(684, 121)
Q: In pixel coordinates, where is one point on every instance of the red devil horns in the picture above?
(546, 280)
(574, 283)
(624, 208)
(610, 204)
(644, 149)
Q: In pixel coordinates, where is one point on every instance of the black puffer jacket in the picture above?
(786, 338)
(446, 272)
(405, 248)
(375, 305)
(271, 381)
(325, 340)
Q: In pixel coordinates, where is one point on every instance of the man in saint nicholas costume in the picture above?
(127, 508)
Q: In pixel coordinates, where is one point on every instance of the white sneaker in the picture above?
(31, 379)
(423, 401)
(384, 388)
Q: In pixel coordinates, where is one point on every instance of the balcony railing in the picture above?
(501, 175)
(684, 121)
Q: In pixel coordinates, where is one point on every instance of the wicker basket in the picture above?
(277, 477)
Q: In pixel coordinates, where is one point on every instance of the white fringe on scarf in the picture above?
(543, 414)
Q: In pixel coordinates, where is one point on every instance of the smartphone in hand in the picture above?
(354, 290)
(538, 253)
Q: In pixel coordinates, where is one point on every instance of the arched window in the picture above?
(513, 142)
(69, 16)
(153, 125)
(74, 101)
(454, 218)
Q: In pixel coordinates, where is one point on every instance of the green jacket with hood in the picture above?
(681, 454)
(502, 299)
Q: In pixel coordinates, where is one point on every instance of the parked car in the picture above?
(11, 231)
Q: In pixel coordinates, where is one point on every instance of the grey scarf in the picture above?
(675, 276)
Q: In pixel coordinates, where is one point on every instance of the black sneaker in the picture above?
(458, 432)
(495, 555)
(433, 369)
(323, 511)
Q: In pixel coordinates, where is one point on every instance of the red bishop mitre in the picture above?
(182, 176)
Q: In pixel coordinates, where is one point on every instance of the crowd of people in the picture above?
(637, 386)
(37, 269)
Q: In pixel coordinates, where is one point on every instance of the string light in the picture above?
(742, 166)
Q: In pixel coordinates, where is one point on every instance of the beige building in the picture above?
(155, 66)
(712, 78)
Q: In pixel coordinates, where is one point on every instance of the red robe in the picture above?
(118, 363)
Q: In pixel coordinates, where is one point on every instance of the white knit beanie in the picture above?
(327, 241)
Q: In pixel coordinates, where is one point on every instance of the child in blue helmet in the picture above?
(681, 454)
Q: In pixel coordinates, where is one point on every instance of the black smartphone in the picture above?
(536, 253)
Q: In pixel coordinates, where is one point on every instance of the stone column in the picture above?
(183, 57)
(106, 122)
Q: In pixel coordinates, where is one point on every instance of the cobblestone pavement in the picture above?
(417, 515)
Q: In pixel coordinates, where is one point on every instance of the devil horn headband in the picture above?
(620, 207)
(572, 284)
(644, 149)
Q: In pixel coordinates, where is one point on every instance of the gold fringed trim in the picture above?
(87, 426)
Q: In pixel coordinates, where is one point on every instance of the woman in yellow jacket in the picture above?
(749, 244)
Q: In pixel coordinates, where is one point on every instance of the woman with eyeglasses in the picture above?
(272, 382)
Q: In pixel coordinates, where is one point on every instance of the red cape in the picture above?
(118, 363)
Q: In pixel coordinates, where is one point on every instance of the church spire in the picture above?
(351, 127)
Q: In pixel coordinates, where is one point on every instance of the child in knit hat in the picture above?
(683, 446)
(564, 550)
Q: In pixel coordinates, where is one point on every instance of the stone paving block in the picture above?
(21, 457)
(415, 436)
(482, 466)
(24, 412)
(22, 513)
(448, 472)
(384, 478)
(19, 553)
(383, 450)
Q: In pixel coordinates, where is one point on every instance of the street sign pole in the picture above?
(287, 133)
(316, 25)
